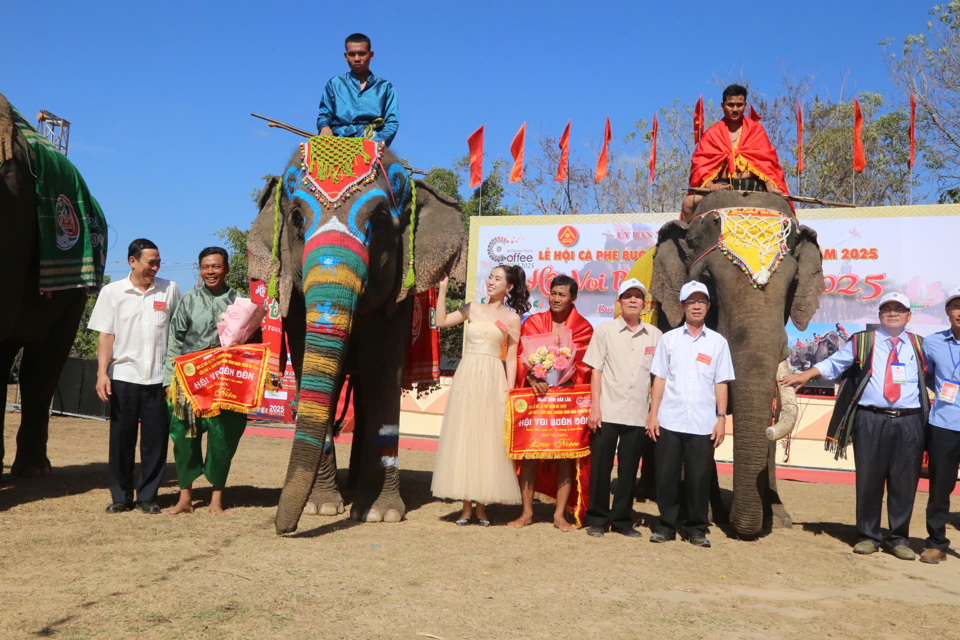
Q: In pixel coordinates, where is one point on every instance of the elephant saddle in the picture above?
(336, 168)
(754, 239)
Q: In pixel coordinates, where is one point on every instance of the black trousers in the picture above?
(692, 456)
(887, 451)
(137, 408)
(944, 447)
(627, 443)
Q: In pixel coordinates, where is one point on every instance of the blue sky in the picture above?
(160, 94)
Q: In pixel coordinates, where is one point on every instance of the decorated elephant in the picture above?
(762, 268)
(48, 218)
(349, 258)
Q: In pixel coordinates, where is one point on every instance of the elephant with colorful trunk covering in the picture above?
(762, 268)
(346, 239)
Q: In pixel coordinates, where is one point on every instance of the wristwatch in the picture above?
(721, 415)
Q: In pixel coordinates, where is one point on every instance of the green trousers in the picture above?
(223, 437)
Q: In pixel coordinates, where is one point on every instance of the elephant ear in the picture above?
(439, 243)
(670, 269)
(809, 280)
(260, 241)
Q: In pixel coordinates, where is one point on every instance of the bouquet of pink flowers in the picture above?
(550, 357)
(239, 322)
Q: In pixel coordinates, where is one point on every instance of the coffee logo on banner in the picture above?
(68, 226)
(499, 252)
(568, 236)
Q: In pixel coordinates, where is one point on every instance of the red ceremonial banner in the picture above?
(564, 154)
(230, 378)
(799, 139)
(859, 160)
(602, 160)
(550, 426)
(698, 124)
(653, 149)
(516, 150)
(475, 144)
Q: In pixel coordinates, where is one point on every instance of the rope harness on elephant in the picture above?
(753, 239)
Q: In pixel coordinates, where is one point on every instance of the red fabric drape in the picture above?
(753, 153)
(602, 160)
(516, 150)
(475, 142)
(859, 161)
(564, 154)
(754, 115)
(540, 323)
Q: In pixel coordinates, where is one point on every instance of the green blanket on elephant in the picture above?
(73, 231)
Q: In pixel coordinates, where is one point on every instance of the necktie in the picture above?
(891, 390)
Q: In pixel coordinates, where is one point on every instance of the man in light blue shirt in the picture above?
(882, 406)
(942, 351)
(691, 369)
(358, 104)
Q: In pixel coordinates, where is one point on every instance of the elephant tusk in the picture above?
(788, 407)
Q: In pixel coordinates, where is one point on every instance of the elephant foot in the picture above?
(31, 471)
(382, 510)
(781, 519)
(324, 503)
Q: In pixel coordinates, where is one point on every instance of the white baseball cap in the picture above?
(895, 296)
(955, 293)
(691, 288)
(631, 283)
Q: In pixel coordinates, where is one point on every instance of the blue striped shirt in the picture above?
(942, 352)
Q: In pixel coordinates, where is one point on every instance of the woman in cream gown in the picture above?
(472, 463)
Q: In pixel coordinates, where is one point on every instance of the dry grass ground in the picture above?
(68, 570)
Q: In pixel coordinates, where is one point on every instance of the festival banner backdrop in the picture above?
(867, 251)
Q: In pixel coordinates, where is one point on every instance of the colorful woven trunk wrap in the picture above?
(336, 168)
(551, 427)
(335, 262)
(229, 378)
(422, 369)
(72, 229)
(754, 239)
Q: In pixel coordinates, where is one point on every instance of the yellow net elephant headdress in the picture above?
(754, 239)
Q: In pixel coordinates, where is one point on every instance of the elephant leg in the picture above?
(775, 515)
(8, 353)
(382, 349)
(325, 499)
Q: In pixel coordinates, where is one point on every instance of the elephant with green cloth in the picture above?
(750, 309)
(345, 288)
(43, 325)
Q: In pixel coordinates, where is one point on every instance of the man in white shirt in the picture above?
(691, 369)
(620, 354)
(132, 316)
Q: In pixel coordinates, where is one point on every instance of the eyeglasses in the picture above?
(897, 311)
(691, 303)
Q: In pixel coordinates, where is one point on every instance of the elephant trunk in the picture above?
(334, 275)
(788, 407)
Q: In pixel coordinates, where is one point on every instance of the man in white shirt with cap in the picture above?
(620, 354)
(688, 414)
(882, 408)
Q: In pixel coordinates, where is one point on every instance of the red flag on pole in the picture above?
(799, 139)
(698, 125)
(653, 149)
(564, 154)
(913, 124)
(602, 160)
(754, 115)
(516, 149)
(475, 142)
(859, 161)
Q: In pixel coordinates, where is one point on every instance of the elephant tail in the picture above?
(788, 408)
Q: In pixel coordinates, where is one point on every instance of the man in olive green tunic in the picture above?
(194, 328)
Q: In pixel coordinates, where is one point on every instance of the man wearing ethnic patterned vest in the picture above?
(882, 407)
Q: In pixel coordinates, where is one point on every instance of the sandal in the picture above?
(463, 522)
(483, 523)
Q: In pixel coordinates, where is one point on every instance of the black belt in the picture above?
(892, 413)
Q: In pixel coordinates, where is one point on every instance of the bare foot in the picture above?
(216, 509)
(522, 521)
(180, 507)
(562, 524)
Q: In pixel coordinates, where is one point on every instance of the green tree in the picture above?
(85, 343)
(236, 241)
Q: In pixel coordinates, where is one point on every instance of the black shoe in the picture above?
(120, 507)
(700, 541)
(630, 532)
(148, 507)
(595, 531)
(656, 536)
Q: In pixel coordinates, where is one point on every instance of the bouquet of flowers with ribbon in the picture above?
(550, 357)
(240, 321)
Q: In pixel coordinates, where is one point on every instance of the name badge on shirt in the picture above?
(704, 358)
(898, 372)
(948, 392)
(649, 351)
(159, 305)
